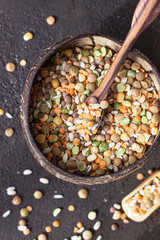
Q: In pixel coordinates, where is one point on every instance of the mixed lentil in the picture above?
(65, 127)
(144, 199)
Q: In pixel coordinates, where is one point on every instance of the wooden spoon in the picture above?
(145, 12)
(137, 189)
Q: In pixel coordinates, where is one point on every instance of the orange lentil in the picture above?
(1, 112)
(72, 92)
(102, 163)
(123, 109)
(84, 105)
(71, 208)
(142, 211)
(55, 144)
(56, 223)
(142, 70)
(79, 225)
(26, 231)
(98, 160)
(50, 154)
(57, 110)
(95, 131)
(100, 58)
(138, 118)
(38, 127)
(29, 208)
(48, 229)
(50, 137)
(75, 230)
(76, 141)
(61, 130)
(94, 166)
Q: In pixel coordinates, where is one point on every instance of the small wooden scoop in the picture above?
(141, 186)
(145, 12)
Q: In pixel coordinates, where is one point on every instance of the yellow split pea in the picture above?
(28, 36)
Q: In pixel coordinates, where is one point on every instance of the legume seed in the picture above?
(83, 193)
(9, 132)
(17, 200)
(24, 212)
(27, 36)
(42, 236)
(92, 215)
(50, 20)
(38, 194)
(114, 227)
(10, 67)
(87, 235)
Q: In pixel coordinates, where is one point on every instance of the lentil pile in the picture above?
(65, 128)
(144, 200)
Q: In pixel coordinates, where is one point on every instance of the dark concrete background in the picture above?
(111, 17)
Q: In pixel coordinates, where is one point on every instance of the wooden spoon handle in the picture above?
(146, 11)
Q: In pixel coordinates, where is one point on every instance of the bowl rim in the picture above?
(50, 167)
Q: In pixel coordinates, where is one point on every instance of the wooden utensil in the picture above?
(141, 186)
(145, 12)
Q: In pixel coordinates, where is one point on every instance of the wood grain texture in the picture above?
(144, 14)
(73, 17)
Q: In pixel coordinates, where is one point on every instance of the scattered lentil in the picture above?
(16, 200)
(92, 215)
(87, 235)
(56, 224)
(26, 231)
(42, 236)
(24, 212)
(29, 208)
(150, 171)
(140, 176)
(50, 20)
(9, 132)
(48, 229)
(28, 36)
(83, 193)
(23, 63)
(1, 112)
(114, 227)
(22, 222)
(38, 194)
(71, 208)
(10, 67)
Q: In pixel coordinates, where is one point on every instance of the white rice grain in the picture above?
(99, 237)
(44, 180)
(10, 188)
(8, 115)
(97, 225)
(21, 228)
(6, 214)
(11, 192)
(27, 172)
(58, 196)
(65, 158)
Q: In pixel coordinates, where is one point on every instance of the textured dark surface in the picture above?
(72, 17)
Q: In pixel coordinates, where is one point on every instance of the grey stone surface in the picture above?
(110, 17)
